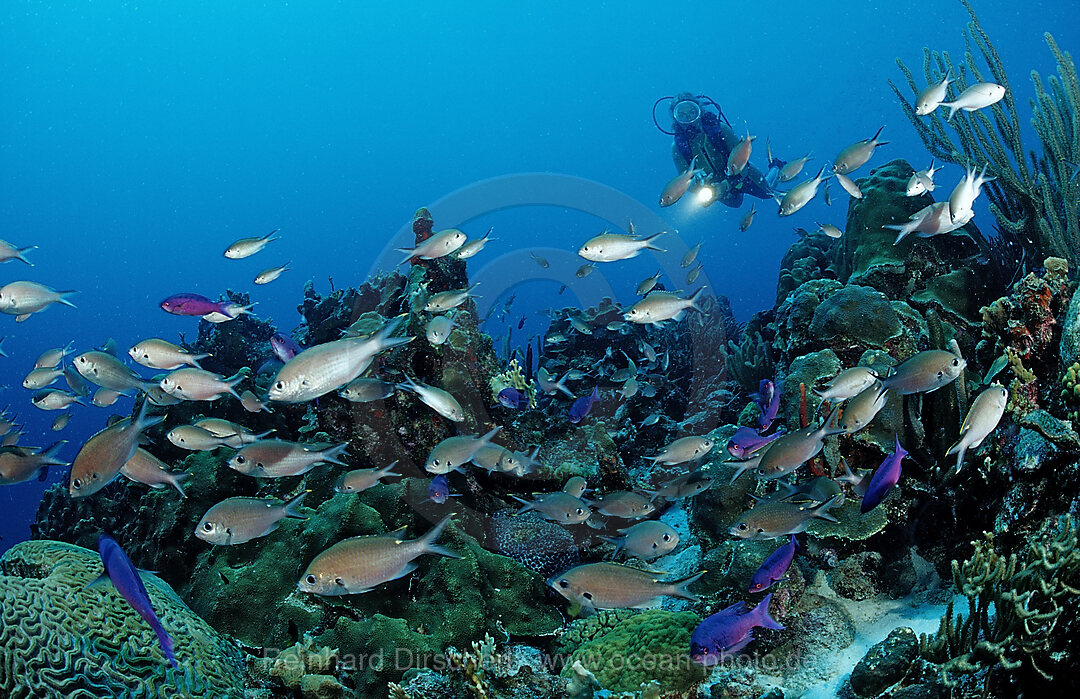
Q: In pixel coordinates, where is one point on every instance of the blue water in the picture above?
(138, 140)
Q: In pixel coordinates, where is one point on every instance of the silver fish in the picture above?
(560, 506)
(855, 156)
(195, 438)
(50, 358)
(199, 384)
(747, 220)
(676, 187)
(625, 504)
(161, 354)
(977, 96)
(359, 480)
(40, 378)
(143, 467)
(277, 458)
(801, 194)
(324, 368)
(21, 464)
(690, 256)
(924, 372)
(613, 247)
(61, 422)
(921, 181)
(472, 247)
(830, 230)
(9, 252)
(102, 456)
(848, 383)
(739, 156)
(362, 563)
(438, 329)
(683, 450)
(54, 399)
(268, 275)
(615, 586)
(252, 404)
(365, 390)
(849, 185)
(453, 453)
(983, 417)
(646, 540)
(246, 247)
(239, 520)
(576, 486)
(685, 486)
(547, 385)
(785, 454)
(931, 97)
(104, 397)
(21, 299)
(238, 435)
(435, 398)
(104, 370)
(792, 168)
(448, 300)
(440, 244)
(770, 519)
(862, 409)
(646, 285)
(662, 306)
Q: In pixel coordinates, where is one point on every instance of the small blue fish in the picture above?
(579, 410)
(746, 441)
(774, 567)
(768, 401)
(729, 631)
(285, 348)
(125, 578)
(439, 489)
(514, 398)
(885, 477)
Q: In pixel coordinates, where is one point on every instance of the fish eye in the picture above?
(940, 374)
(580, 511)
(667, 537)
(742, 527)
(564, 584)
(956, 362)
(208, 527)
(76, 484)
(280, 385)
(310, 579)
(240, 458)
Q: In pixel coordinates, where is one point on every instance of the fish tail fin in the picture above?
(196, 358)
(952, 109)
(761, 611)
(878, 133)
(64, 297)
(741, 468)
(269, 237)
(331, 455)
(822, 510)
(428, 540)
(292, 507)
(178, 482)
(694, 299)
(21, 252)
(678, 587)
(486, 439)
(50, 455)
(649, 241)
(388, 470)
(143, 420)
(960, 449)
(527, 505)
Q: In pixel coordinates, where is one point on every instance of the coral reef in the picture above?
(58, 639)
(1014, 608)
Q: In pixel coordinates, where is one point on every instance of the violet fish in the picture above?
(580, 408)
(192, 305)
(747, 440)
(729, 631)
(125, 578)
(768, 401)
(774, 567)
(514, 398)
(439, 489)
(884, 478)
(285, 348)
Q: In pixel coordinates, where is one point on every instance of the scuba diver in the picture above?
(707, 136)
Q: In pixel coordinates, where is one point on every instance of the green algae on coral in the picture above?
(651, 645)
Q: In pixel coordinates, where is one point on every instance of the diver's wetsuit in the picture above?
(711, 140)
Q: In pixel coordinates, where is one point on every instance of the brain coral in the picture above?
(59, 640)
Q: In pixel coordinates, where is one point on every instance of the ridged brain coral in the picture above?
(59, 640)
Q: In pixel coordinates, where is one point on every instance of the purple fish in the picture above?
(439, 489)
(581, 406)
(125, 578)
(285, 348)
(885, 477)
(192, 305)
(515, 398)
(774, 567)
(768, 401)
(746, 441)
(728, 631)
